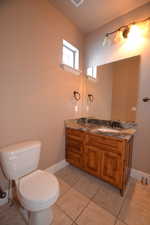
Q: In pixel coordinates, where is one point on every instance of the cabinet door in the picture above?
(111, 170)
(92, 160)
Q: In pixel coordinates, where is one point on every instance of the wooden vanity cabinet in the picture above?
(105, 157)
(75, 147)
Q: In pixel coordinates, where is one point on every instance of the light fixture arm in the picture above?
(126, 27)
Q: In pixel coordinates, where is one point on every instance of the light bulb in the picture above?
(134, 33)
(105, 41)
(119, 38)
(109, 42)
(135, 38)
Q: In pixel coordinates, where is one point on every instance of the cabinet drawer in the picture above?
(76, 134)
(104, 143)
(74, 145)
(75, 159)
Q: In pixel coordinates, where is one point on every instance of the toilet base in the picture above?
(43, 217)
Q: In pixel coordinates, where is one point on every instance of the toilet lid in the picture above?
(38, 190)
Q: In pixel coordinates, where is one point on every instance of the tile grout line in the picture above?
(116, 216)
(65, 213)
(71, 187)
(103, 206)
(74, 220)
(116, 220)
(122, 208)
(90, 200)
(82, 211)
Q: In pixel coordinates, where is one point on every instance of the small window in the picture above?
(70, 56)
(92, 72)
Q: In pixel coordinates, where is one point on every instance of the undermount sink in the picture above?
(106, 129)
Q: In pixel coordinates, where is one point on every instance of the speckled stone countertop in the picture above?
(122, 133)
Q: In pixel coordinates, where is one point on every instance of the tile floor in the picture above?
(86, 200)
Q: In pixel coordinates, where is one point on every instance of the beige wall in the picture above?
(96, 54)
(35, 93)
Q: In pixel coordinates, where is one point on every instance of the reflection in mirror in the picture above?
(115, 90)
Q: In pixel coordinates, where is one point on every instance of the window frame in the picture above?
(93, 74)
(74, 51)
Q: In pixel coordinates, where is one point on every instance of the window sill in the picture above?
(91, 78)
(70, 69)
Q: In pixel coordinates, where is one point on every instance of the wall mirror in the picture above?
(115, 90)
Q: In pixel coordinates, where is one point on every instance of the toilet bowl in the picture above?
(37, 190)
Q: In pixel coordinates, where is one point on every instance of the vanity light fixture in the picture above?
(125, 30)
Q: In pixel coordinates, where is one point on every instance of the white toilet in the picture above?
(37, 190)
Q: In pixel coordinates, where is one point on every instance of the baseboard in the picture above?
(58, 166)
(138, 175)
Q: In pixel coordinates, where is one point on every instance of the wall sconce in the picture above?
(125, 31)
(90, 97)
(76, 95)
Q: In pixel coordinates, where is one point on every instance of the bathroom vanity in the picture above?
(101, 149)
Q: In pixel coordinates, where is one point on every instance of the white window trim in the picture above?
(92, 76)
(75, 69)
(70, 69)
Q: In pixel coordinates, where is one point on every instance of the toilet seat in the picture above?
(38, 190)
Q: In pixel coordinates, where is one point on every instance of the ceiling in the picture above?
(95, 13)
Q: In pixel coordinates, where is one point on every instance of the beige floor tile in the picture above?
(109, 198)
(70, 175)
(64, 187)
(72, 203)
(131, 187)
(88, 186)
(10, 216)
(94, 215)
(136, 210)
(60, 218)
(120, 223)
(141, 194)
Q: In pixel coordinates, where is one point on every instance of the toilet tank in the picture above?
(20, 159)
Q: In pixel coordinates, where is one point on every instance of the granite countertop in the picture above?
(121, 133)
